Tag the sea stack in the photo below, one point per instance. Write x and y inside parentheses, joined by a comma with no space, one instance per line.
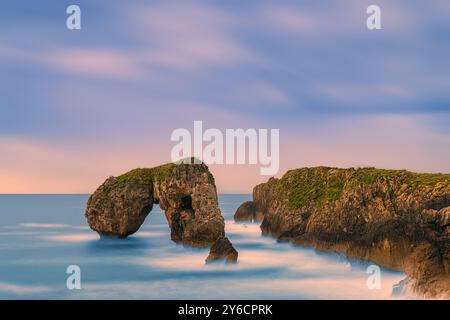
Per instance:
(395,218)
(185,192)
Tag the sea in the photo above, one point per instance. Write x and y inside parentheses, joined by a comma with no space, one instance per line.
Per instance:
(48,251)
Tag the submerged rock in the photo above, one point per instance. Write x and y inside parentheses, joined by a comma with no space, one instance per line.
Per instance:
(222,249)
(395,218)
(185,192)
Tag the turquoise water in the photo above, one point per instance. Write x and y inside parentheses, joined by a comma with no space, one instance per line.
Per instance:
(41,235)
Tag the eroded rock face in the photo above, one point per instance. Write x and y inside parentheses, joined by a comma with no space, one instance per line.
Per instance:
(189,200)
(262,200)
(397,219)
(185,192)
(222,249)
(119,209)
(263,196)
(245,212)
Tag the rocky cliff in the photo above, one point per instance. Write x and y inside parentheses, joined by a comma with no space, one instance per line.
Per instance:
(185,192)
(262,199)
(394,218)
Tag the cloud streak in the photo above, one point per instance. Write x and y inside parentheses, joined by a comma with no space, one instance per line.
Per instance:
(190,36)
(17,289)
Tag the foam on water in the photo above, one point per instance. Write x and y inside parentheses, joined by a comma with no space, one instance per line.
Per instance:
(41,235)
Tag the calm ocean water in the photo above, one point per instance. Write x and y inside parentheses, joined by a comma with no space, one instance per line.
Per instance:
(41,235)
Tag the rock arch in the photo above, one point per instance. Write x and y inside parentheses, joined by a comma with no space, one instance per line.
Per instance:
(185,192)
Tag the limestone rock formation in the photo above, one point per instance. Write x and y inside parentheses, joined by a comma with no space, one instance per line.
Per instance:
(222,249)
(263,196)
(255,210)
(395,218)
(185,192)
(246,212)
(119,206)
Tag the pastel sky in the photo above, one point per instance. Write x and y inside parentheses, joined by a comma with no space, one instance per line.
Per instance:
(79,106)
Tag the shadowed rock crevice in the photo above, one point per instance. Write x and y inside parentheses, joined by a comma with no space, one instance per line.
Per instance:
(186,203)
(395,218)
(185,192)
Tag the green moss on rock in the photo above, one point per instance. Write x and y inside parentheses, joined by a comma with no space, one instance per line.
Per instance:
(146,175)
(321,185)
(137,178)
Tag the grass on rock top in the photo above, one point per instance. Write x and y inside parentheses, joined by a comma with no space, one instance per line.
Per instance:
(141,177)
(146,175)
(322,185)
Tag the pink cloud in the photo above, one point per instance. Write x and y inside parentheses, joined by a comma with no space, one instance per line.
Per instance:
(28,166)
(94,62)
(189,36)
(397,142)
(268,93)
(292,19)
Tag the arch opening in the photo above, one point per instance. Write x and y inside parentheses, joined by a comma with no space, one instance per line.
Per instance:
(186,203)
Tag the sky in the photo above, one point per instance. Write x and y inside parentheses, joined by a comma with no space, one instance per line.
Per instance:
(77,106)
